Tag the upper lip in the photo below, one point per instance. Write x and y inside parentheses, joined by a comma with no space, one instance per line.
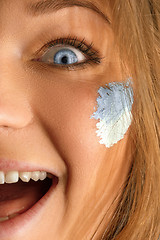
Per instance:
(7,165)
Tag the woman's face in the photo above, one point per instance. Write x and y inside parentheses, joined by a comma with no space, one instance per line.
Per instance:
(46,105)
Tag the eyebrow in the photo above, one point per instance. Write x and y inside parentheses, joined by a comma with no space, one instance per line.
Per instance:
(48,6)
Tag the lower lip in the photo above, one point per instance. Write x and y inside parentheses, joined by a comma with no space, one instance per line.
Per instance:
(10,227)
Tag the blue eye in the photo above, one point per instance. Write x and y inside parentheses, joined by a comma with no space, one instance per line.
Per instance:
(68,53)
(65,56)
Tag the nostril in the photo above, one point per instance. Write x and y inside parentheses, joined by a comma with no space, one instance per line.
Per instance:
(15,111)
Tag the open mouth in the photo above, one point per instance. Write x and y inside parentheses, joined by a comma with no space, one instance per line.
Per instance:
(20,191)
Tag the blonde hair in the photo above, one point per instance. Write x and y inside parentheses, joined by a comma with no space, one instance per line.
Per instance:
(136,24)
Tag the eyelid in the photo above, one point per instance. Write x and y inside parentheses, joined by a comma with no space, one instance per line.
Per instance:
(69,41)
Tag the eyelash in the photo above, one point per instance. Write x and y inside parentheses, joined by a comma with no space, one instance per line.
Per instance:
(92,55)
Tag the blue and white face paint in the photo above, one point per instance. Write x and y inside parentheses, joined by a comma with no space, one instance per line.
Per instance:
(114,106)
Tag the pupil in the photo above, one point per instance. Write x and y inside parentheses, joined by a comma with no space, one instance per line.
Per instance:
(64,60)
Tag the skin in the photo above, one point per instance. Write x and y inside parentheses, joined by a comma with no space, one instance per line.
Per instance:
(51,107)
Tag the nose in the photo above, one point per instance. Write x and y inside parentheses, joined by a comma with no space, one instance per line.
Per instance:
(15,110)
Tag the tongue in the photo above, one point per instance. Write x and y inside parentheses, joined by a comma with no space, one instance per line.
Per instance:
(19,197)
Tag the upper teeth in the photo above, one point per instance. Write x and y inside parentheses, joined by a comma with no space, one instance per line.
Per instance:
(13,176)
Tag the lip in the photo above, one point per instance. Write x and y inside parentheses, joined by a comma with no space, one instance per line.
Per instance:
(11,226)
(7,165)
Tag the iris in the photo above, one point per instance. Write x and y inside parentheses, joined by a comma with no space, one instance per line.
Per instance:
(65,56)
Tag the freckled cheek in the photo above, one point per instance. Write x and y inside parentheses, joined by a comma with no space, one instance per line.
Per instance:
(78,141)
(66,112)
(80,129)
